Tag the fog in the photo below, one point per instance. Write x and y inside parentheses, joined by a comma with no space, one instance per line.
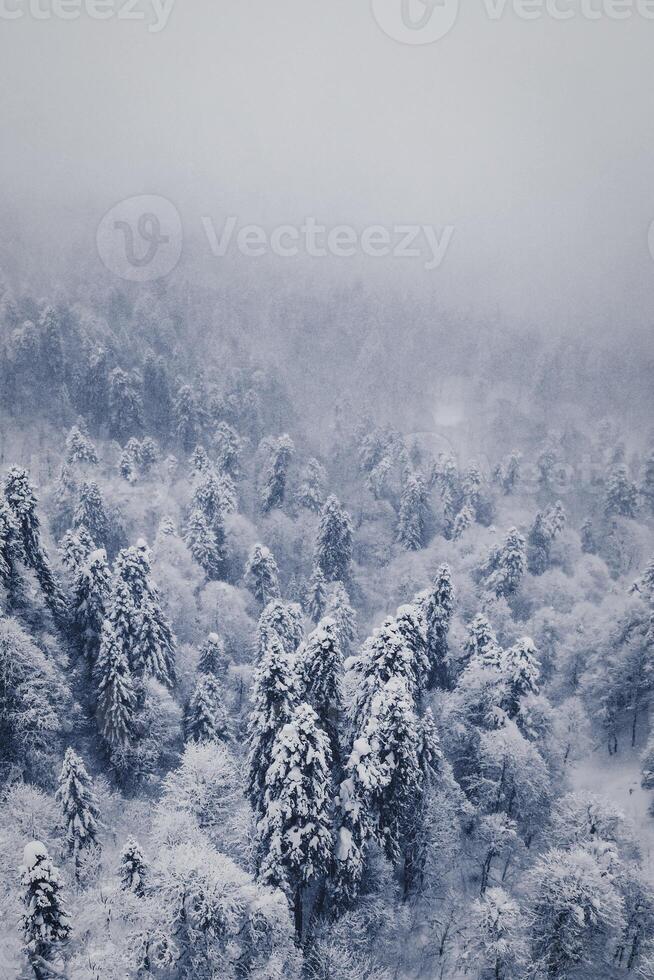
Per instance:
(531,138)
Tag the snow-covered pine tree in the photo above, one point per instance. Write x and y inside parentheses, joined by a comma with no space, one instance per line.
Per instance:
(199,460)
(116,700)
(413,513)
(510,566)
(262,575)
(206,719)
(383,656)
(283,619)
(149,456)
(471,488)
(213,659)
(521,669)
(90,512)
(88,605)
(127,467)
(214,497)
(274,488)
(275,694)
(334,541)
(412,625)
(316,595)
(621,494)
(481,643)
(438,607)
(539,546)
(11,554)
(79,448)
(463,520)
(74,548)
(339,609)
(154,653)
(294,831)
(133,869)
(45,921)
(320,666)
(79,807)
(187,418)
(313,481)
(228,449)
(202,543)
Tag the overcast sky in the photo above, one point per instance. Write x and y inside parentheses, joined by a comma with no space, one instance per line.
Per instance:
(533,139)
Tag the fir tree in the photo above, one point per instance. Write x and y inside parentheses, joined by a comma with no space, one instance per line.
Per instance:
(316,595)
(413,513)
(199,460)
(510,565)
(438,608)
(481,643)
(621,494)
(11,554)
(262,575)
(90,513)
(311,491)
(334,542)
(74,548)
(90,594)
(320,666)
(228,449)
(116,700)
(45,921)
(206,719)
(154,653)
(76,798)
(275,694)
(203,545)
(125,405)
(149,455)
(384,655)
(213,659)
(274,488)
(187,418)
(539,545)
(588,542)
(521,669)
(339,609)
(133,869)
(283,619)
(463,520)
(471,488)
(412,626)
(295,827)
(79,448)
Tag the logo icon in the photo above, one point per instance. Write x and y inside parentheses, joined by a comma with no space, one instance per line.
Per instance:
(416,21)
(140,238)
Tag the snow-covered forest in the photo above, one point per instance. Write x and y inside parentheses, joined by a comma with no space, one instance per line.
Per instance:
(290,690)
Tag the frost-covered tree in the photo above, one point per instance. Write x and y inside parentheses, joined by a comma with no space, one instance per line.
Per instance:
(521,670)
(463,520)
(647,484)
(411,624)
(509,566)
(154,654)
(91,513)
(78,805)
(383,656)
(587,534)
(275,694)
(311,490)
(471,488)
(213,659)
(133,868)
(413,513)
(539,545)
(88,604)
(494,944)
(274,486)
(74,548)
(206,718)
(125,404)
(438,606)
(79,448)
(228,448)
(45,921)
(11,555)
(284,620)
(262,575)
(320,666)
(316,595)
(203,545)
(200,460)
(339,609)
(187,418)
(334,541)
(294,831)
(116,700)
(507,473)
(481,642)
(621,494)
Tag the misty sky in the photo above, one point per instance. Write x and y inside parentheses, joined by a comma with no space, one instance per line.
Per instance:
(535,140)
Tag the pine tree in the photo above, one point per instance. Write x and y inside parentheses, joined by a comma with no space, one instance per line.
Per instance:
(274,488)
(621,494)
(283,619)
(76,798)
(262,575)
(438,608)
(384,655)
(413,513)
(412,626)
(199,460)
(90,513)
(206,719)
(213,659)
(334,541)
(481,643)
(521,668)
(154,654)
(275,694)
(510,566)
(79,448)
(88,606)
(471,488)
(45,921)
(294,831)
(11,554)
(133,869)
(463,520)
(75,548)
(127,467)
(339,609)
(204,547)
(125,404)
(311,491)
(320,666)
(214,497)
(539,546)
(588,543)
(187,418)
(116,700)
(228,449)
(316,595)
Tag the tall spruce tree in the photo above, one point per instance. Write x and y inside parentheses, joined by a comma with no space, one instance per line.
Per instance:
(133,869)
(274,488)
(79,807)
(213,659)
(206,719)
(438,606)
(45,921)
(88,605)
(116,699)
(413,513)
(316,595)
(334,541)
(262,575)
(320,667)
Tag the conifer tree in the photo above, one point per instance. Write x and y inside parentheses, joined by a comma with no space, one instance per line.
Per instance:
(79,448)
(320,666)
(471,488)
(262,575)
(125,404)
(45,921)
(334,541)
(206,719)
(275,694)
(116,700)
(202,544)
(383,656)
(311,491)
(438,606)
(316,595)
(481,643)
(413,513)
(199,460)
(228,448)
(588,542)
(213,659)
(88,606)
(621,494)
(463,520)
(521,669)
(11,554)
(339,609)
(539,545)
(510,565)
(133,869)
(295,827)
(274,488)
(284,619)
(90,513)
(187,418)
(74,548)
(154,654)
(412,626)
(77,800)
(149,455)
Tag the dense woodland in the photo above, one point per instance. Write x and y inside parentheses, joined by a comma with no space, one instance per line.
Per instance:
(309,632)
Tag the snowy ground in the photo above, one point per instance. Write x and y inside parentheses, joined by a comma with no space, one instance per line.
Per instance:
(617,778)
